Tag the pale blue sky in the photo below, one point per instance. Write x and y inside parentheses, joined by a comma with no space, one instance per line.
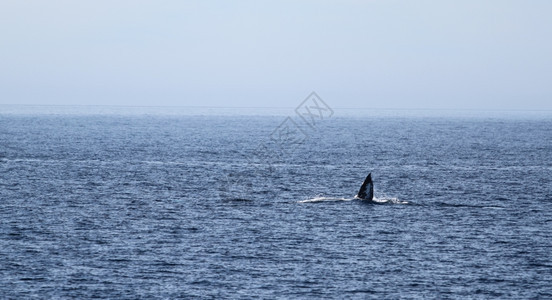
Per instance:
(381,54)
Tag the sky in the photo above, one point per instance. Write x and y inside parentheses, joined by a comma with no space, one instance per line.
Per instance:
(386,54)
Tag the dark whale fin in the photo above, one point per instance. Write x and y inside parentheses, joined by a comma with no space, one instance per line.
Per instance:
(366,191)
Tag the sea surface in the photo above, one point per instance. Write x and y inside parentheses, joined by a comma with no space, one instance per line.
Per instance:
(142,205)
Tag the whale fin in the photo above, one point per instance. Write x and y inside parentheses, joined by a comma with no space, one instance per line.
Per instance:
(366,191)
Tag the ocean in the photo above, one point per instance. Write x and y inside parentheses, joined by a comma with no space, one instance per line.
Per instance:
(208,205)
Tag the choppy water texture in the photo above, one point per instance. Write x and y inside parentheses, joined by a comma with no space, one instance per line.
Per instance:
(212,207)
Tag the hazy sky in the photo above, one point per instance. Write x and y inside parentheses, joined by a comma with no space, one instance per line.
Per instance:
(381,54)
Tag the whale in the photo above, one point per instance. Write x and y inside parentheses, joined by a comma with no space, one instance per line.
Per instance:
(366,191)
(365,194)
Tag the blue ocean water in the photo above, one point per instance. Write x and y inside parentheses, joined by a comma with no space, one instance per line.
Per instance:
(163,206)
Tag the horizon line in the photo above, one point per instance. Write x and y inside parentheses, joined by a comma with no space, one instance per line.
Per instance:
(269,107)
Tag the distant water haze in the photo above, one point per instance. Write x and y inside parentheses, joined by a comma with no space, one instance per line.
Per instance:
(339,112)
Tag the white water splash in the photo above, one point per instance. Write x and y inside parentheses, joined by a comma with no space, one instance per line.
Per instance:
(325,199)
(383,200)
(389,200)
